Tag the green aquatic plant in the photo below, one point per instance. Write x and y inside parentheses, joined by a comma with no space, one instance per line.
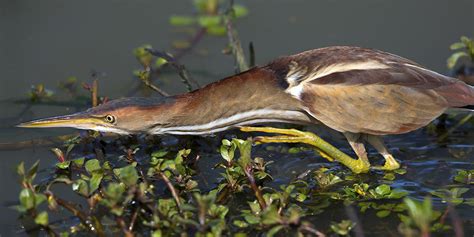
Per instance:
(40,92)
(464,49)
(343,228)
(464,176)
(421,218)
(208,17)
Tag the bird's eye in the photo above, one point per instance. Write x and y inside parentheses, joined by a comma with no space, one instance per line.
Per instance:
(109,118)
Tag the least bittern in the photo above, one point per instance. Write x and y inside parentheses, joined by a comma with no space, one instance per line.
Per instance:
(362,93)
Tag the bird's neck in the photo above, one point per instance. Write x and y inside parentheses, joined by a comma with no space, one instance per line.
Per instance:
(255,96)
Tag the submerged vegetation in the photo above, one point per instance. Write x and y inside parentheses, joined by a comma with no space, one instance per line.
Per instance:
(160,192)
(137,186)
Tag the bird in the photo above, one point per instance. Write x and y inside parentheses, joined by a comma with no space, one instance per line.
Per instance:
(362,93)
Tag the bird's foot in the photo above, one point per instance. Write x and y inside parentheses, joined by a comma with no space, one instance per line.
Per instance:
(390,164)
(325,149)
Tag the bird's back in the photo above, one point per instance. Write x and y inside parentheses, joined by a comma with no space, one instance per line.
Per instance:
(364,90)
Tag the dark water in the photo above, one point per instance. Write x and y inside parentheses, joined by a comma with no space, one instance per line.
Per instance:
(48,41)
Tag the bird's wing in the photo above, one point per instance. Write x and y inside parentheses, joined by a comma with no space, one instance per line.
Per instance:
(345,65)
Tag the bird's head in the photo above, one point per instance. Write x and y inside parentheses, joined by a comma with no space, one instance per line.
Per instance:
(122,116)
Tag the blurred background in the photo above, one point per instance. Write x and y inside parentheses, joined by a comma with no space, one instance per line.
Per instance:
(45,42)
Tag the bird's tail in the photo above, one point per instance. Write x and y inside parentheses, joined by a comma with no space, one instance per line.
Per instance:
(458,95)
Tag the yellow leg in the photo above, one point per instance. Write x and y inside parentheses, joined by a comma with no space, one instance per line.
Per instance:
(378,144)
(390,164)
(326,150)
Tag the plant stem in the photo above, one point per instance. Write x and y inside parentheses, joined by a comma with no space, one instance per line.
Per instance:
(82,216)
(122,225)
(258,193)
(234,41)
(182,71)
(172,189)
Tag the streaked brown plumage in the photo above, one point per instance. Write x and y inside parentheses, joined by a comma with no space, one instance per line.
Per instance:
(362,93)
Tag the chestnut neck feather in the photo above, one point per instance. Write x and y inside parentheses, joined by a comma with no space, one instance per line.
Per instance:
(250,97)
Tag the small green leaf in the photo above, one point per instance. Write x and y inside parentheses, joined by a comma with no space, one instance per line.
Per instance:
(465,40)
(389,176)
(397,193)
(42,218)
(20,169)
(383,213)
(93,166)
(465,176)
(209,21)
(271,216)
(216,30)
(156,233)
(95,182)
(240,224)
(226,142)
(274,230)
(453,59)
(159,153)
(39,198)
(251,219)
(177,20)
(160,62)
(128,175)
(81,187)
(63,165)
(240,11)
(343,227)
(32,171)
(457,45)
(300,197)
(114,191)
(181,155)
(79,162)
(400,171)
(27,199)
(245,148)
(382,190)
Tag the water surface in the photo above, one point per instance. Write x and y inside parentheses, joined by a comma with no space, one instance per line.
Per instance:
(48,41)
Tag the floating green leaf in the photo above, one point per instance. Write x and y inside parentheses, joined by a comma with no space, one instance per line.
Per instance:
(465,176)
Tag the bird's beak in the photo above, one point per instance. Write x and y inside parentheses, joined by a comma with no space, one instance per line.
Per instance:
(78,120)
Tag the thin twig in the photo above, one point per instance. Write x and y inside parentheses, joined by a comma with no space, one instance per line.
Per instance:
(172,189)
(79,214)
(121,222)
(94,91)
(134,219)
(193,42)
(258,193)
(182,71)
(234,41)
(311,230)
(155,88)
